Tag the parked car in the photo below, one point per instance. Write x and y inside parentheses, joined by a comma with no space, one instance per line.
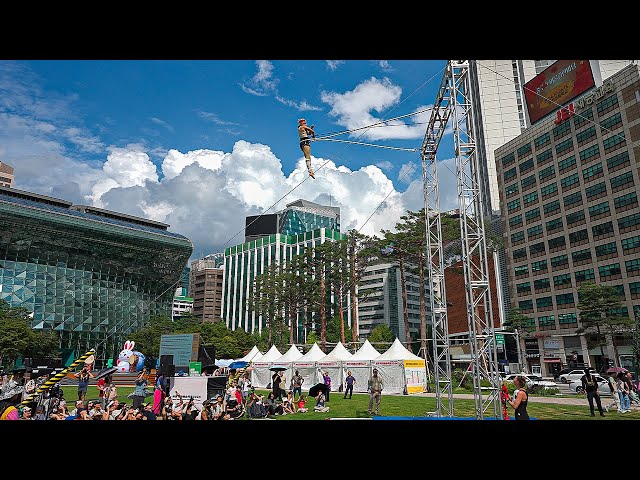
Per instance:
(575,374)
(531,380)
(603,385)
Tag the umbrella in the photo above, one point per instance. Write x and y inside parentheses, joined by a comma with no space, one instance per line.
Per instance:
(616,370)
(106,371)
(278,368)
(237,364)
(313,391)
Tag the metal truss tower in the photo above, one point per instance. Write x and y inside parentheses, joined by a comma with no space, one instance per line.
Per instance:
(454,101)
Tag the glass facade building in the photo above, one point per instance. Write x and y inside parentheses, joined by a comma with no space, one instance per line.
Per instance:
(90,274)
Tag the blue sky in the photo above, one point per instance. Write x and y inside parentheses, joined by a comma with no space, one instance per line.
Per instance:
(201,144)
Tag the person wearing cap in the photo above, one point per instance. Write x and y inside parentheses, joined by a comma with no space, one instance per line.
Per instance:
(306,133)
(375,391)
(590,386)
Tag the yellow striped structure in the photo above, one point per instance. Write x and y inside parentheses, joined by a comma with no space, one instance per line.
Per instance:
(58,376)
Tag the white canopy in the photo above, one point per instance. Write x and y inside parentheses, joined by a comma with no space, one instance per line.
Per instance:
(271,355)
(312,355)
(291,355)
(366,352)
(338,353)
(252,356)
(397,352)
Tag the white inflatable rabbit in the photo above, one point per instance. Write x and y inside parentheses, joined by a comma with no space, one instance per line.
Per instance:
(123,364)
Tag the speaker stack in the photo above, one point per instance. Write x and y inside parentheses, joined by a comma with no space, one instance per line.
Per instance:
(166,367)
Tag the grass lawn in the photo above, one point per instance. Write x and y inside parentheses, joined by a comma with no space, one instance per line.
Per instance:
(398,405)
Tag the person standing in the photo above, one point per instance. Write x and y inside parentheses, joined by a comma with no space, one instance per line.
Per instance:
(374,386)
(590,385)
(327,383)
(623,395)
(276,380)
(633,396)
(140,393)
(83,377)
(520,399)
(611,379)
(296,384)
(349,381)
(103,387)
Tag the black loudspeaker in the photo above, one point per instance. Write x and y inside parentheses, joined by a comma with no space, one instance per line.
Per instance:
(207,355)
(170,370)
(166,361)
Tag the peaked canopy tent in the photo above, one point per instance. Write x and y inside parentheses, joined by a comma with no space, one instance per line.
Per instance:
(360,366)
(333,364)
(307,366)
(253,356)
(401,370)
(261,375)
(287,360)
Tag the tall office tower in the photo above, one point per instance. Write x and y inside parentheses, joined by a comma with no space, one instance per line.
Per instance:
(205,287)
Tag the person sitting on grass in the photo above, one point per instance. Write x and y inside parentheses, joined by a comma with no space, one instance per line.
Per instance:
(273,408)
(320,406)
(287,405)
(301,404)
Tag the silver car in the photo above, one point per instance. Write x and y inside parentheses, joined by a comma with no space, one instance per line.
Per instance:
(603,385)
(531,380)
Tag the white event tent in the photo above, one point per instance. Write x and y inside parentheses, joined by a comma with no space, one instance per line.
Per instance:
(332,364)
(261,375)
(360,366)
(287,360)
(401,370)
(306,366)
(253,356)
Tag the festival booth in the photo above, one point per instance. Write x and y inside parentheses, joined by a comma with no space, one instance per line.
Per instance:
(333,363)
(253,356)
(306,366)
(286,361)
(401,370)
(360,366)
(261,375)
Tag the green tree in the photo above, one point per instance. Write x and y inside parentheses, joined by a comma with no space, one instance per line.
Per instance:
(381,337)
(312,337)
(334,330)
(15,333)
(516,320)
(598,306)
(148,337)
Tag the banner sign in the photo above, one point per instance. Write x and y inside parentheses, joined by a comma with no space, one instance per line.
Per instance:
(188,387)
(415,375)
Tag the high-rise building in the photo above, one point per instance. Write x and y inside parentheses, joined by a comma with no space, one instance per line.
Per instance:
(298,217)
(568,189)
(91,274)
(184,280)
(205,285)
(6,175)
(182,303)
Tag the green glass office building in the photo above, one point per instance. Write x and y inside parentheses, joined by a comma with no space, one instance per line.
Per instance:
(90,274)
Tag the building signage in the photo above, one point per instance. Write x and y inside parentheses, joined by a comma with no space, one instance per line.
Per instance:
(556,85)
(551,343)
(595,95)
(499,339)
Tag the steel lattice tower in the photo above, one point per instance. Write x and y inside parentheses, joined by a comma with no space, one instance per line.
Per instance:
(454,100)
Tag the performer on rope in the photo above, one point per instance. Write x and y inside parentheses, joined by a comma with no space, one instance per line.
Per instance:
(304,132)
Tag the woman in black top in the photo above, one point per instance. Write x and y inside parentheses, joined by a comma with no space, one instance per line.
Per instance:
(520,400)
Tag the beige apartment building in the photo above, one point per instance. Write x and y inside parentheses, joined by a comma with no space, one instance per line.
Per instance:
(6,175)
(205,287)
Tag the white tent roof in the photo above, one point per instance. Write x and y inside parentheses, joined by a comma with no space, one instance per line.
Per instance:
(291,355)
(252,356)
(338,353)
(397,352)
(312,355)
(366,352)
(271,355)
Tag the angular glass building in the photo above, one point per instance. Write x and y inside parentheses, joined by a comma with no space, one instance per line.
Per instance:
(90,274)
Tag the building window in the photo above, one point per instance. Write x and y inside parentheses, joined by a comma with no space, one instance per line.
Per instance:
(579,236)
(630,221)
(634,288)
(606,249)
(564,299)
(552,207)
(561,130)
(599,209)
(564,147)
(515,221)
(619,312)
(544,302)
(618,161)
(537,248)
(568,319)
(511,190)
(559,261)
(560,280)
(540,266)
(584,275)
(509,174)
(508,159)
(621,181)
(607,271)
(626,200)
(517,237)
(542,140)
(607,104)
(592,172)
(547,322)
(602,229)
(544,157)
(586,135)
(534,232)
(581,118)
(525,305)
(558,242)
(513,206)
(541,284)
(548,172)
(568,181)
(567,163)
(523,287)
(524,150)
(572,199)
(581,255)
(553,225)
(549,190)
(589,154)
(632,265)
(529,198)
(614,142)
(596,190)
(575,218)
(525,167)
(630,243)
(523,270)
(520,252)
(612,122)
(532,214)
(528,181)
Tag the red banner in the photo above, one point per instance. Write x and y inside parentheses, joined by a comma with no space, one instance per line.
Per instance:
(556,85)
